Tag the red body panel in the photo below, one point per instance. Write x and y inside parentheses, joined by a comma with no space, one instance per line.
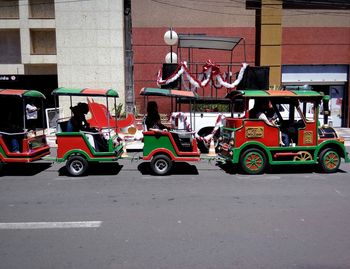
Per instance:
(269,136)
(26,156)
(308,135)
(182,155)
(69,143)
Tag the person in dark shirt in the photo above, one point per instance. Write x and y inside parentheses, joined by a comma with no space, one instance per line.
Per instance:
(78,121)
(152,120)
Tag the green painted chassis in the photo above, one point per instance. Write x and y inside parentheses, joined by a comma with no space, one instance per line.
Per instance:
(234,156)
(65,149)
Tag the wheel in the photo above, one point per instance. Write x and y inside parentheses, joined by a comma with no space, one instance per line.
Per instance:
(76,166)
(161,164)
(253,161)
(303,156)
(329,160)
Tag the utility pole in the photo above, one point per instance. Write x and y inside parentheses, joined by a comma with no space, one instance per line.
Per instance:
(269,38)
(129,70)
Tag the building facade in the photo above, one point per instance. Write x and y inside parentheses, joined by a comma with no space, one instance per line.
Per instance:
(303,42)
(45,44)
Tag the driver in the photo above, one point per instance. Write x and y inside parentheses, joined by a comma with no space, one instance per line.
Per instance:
(262,108)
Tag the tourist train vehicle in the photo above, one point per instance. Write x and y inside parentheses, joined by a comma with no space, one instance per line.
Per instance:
(162,148)
(18,144)
(239,138)
(254,143)
(98,142)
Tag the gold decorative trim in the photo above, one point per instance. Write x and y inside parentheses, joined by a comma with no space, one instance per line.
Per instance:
(308,137)
(254,132)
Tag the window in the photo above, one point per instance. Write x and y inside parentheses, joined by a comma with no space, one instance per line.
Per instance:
(41,9)
(9,9)
(43,41)
(10,46)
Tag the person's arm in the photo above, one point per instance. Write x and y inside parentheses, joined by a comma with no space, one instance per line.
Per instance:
(263,117)
(31,108)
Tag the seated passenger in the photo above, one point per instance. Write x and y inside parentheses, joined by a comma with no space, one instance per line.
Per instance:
(152,121)
(261,109)
(78,121)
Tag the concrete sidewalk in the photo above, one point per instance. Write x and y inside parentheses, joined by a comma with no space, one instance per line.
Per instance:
(345,133)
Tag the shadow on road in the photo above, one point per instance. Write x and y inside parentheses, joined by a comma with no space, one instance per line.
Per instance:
(107,169)
(23,169)
(277,169)
(179,168)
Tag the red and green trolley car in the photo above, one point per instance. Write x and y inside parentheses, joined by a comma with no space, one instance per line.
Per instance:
(31,145)
(165,147)
(79,148)
(254,144)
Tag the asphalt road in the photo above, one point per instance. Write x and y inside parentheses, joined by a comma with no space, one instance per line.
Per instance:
(201,217)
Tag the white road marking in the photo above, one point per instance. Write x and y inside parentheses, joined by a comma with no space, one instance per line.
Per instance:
(339,193)
(49,225)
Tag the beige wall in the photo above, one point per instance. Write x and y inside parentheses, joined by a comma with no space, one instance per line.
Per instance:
(184,13)
(316,18)
(90,44)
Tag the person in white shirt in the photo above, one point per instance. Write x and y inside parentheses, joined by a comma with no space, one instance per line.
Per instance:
(260,111)
(31,115)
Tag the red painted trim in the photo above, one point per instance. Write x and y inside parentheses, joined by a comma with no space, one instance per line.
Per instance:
(73,143)
(310,127)
(285,154)
(171,155)
(24,156)
(69,143)
(13,92)
(94,91)
(178,152)
(280,93)
(25,160)
(270,137)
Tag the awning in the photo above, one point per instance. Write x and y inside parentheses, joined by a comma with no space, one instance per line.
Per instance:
(167,92)
(22,93)
(208,42)
(85,92)
(314,74)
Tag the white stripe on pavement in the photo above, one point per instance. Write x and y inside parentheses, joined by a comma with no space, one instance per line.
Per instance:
(50,225)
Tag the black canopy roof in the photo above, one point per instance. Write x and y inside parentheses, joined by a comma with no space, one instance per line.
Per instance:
(208,42)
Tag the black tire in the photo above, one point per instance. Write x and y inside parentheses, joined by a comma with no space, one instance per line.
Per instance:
(329,160)
(161,164)
(77,166)
(253,161)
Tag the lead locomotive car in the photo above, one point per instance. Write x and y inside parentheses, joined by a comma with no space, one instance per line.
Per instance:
(254,143)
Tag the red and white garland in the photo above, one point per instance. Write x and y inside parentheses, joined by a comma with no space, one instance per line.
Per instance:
(179,118)
(211,73)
